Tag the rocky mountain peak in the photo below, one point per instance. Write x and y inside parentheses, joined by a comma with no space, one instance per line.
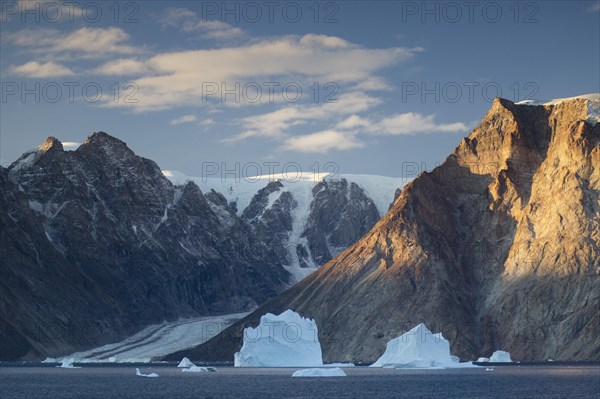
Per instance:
(104,145)
(51,144)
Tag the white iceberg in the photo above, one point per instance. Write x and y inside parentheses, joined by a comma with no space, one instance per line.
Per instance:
(339,365)
(67,363)
(483,360)
(198,369)
(286,340)
(139,374)
(49,360)
(500,357)
(329,372)
(419,348)
(185,363)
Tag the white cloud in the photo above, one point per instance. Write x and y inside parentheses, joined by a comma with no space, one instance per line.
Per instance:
(122,67)
(323,142)
(345,134)
(324,41)
(179,78)
(412,123)
(373,83)
(207,122)
(34,69)
(275,124)
(70,144)
(184,119)
(352,122)
(188,21)
(83,42)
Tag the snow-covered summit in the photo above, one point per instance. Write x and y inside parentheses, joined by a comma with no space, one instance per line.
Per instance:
(380,189)
(593,115)
(308,218)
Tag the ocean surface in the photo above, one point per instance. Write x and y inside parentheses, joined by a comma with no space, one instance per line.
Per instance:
(506,382)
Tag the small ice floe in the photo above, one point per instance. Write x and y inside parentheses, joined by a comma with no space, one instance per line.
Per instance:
(185,363)
(339,365)
(328,372)
(198,369)
(67,363)
(500,357)
(139,374)
(489,369)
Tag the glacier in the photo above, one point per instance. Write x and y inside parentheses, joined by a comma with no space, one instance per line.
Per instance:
(380,189)
(159,340)
(419,348)
(285,340)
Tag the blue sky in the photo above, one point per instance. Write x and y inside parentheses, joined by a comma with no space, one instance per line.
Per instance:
(384,85)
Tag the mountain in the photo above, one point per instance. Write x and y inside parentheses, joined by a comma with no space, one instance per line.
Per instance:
(97,244)
(307,219)
(497,248)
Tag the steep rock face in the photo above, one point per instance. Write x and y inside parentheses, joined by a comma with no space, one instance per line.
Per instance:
(99,238)
(498,248)
(340,214)
(307,228)
(270,217)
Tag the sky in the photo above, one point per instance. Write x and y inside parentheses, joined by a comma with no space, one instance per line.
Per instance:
(247,88)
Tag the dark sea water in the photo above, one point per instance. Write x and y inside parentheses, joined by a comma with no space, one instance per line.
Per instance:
(506,382)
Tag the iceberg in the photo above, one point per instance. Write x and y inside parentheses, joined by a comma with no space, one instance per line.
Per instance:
(329,372)
(483,360)
(419,348)
(339,365)
(139,374)
(500,357)
(185,363)
(285,340)
(67,363)
(198,369)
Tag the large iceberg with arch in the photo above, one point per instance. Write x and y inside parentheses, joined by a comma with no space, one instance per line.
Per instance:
(285,340)
(419,348)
